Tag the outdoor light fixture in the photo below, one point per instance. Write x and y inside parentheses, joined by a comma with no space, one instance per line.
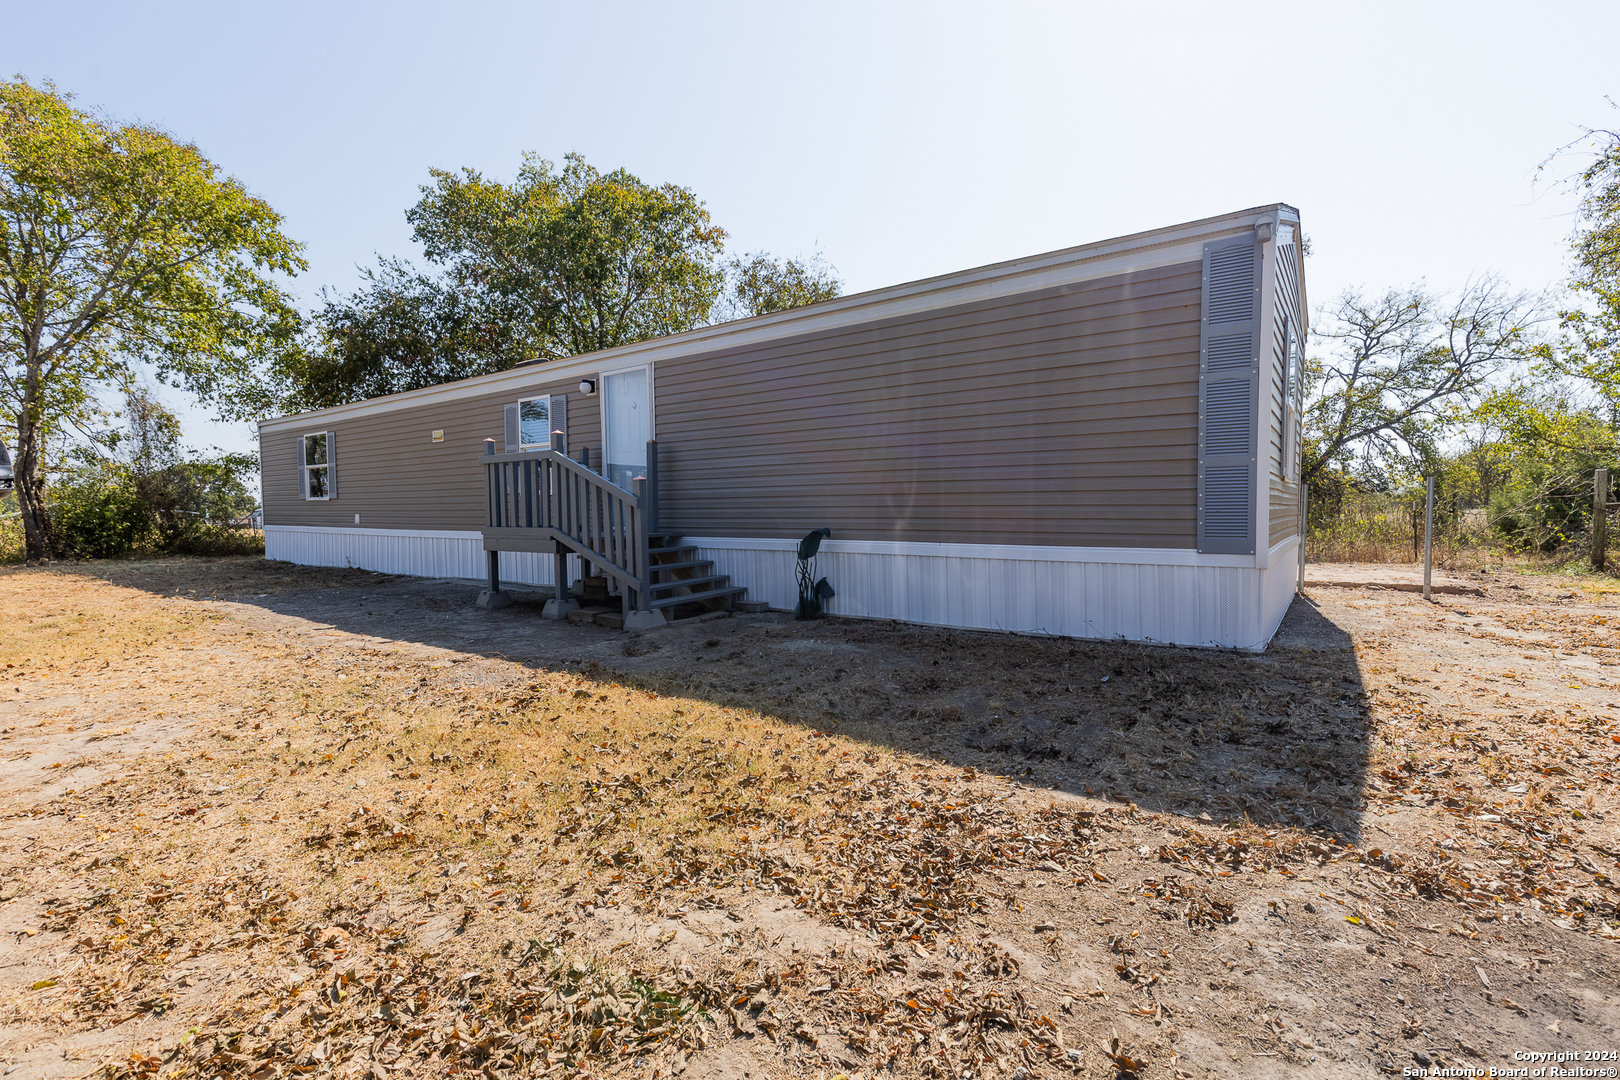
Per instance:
(587,387)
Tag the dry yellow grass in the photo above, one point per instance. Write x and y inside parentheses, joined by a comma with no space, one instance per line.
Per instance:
(322,788)
(252,842)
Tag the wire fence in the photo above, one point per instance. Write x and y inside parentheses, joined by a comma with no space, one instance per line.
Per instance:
(1388,528)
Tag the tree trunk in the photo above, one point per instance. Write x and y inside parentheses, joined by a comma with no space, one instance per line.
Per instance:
(30,476)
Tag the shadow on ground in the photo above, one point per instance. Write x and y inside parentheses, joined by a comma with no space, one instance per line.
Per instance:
(1274,738)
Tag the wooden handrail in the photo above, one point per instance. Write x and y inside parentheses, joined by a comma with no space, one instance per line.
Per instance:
(579,508)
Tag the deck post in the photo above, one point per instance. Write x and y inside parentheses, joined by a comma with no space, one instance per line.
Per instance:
(650,505)
(584,458)
(638,612)
(493,597)
(560,597)
(489,483)
(639,539)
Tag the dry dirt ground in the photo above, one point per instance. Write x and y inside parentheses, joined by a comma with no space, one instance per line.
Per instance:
(261,821)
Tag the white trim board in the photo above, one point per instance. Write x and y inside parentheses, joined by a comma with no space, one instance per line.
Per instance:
(350,530)
(1126,556)
(1026,553)
(1141,251)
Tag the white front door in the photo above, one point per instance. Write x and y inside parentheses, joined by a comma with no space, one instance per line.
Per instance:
(627,425)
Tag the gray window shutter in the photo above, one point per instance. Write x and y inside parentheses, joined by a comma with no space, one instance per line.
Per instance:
(514,437)
(1228,396)
(559,417)
(303,470)
(331,464)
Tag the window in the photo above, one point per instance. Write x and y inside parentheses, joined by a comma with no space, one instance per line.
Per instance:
(534,423)
(530,423)
(1291,392)
(315,459)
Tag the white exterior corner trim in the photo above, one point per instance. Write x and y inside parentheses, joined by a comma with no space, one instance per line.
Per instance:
(1169,596)
(1281,548)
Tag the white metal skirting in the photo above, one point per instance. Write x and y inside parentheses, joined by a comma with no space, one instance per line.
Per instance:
(1185,599)
(399,551)
(1212,606)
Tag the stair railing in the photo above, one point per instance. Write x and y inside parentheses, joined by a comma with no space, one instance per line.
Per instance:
(579,508)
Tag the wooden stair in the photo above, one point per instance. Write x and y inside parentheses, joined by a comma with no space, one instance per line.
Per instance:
(546,502)
(668,556)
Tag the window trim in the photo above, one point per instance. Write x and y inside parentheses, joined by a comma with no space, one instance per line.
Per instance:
(535,446)
(1293,378)
(309,467)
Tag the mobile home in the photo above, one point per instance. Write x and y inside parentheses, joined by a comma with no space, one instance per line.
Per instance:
(1097,442)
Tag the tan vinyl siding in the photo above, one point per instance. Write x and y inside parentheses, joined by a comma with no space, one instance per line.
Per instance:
(1284,511)
(1063,417)
(392,473)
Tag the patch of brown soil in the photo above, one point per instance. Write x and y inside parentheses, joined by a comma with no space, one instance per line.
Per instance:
(349,825)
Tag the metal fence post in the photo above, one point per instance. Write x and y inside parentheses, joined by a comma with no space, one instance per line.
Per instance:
(1428,535)
(1600,518)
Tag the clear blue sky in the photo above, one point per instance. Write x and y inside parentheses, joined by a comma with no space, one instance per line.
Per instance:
(902,140)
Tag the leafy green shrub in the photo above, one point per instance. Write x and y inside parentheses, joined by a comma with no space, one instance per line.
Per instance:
(12,547)
(110,510)
(98,513)
(210,539)
(1543,518)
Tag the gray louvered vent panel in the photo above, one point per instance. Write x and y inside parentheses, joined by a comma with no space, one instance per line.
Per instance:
(1229,353)
(1226,417)
(1229,398)
(1226,503)
(1231,285)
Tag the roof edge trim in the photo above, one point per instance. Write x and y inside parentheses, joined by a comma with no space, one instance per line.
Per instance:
(1143,250)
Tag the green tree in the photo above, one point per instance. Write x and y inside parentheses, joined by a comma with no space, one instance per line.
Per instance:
(758,284)
(121,247)
(404,330)
(1568,410)
(587,260)
(553,264)
(136,489)
(1593,347)
(1405,369)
